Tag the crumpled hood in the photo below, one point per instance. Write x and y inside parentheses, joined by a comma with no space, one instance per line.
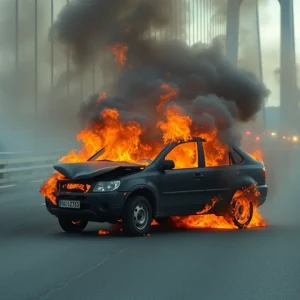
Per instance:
(91,169)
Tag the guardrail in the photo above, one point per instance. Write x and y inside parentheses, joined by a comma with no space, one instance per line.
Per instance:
(23,166)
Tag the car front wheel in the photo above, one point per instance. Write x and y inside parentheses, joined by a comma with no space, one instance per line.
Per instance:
(72,226)
(137,216)
(241,211)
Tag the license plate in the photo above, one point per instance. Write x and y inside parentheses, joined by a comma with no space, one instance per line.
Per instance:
(69,204)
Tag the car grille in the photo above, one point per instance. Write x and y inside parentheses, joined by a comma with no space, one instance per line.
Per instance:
(68,186)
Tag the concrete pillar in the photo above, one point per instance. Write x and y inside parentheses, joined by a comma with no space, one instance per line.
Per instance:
(288,75)
(250,57)
(232,42)
(232,30)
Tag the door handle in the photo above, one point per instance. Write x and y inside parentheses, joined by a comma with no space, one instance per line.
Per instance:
(198,175)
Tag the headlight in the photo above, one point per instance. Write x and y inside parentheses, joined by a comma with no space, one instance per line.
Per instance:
(107,186)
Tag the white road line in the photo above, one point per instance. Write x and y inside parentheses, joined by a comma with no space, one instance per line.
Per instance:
(7,186)
(38,180)
(12,185)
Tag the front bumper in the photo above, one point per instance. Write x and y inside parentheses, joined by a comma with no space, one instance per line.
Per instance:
(97,207)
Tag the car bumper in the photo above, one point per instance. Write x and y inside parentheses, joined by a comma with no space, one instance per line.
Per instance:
(106,207)
(263,190)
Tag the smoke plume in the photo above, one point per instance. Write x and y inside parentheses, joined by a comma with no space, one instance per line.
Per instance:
(210,90)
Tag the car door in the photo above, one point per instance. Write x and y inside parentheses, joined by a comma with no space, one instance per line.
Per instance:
(180,188)
(219,174)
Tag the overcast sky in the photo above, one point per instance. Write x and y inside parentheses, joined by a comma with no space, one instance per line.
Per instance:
(270,42)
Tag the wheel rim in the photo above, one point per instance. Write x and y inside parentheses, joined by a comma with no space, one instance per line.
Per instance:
(242,210)
(140,216)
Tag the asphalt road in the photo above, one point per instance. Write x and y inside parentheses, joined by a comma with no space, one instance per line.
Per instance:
(38,261)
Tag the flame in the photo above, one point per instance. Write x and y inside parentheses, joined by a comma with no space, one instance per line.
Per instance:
(103,232)
(176,127)
(208,207)
(154,223)
(258,155)
(101,96)
(211,221)
(167,94)
(120,53)
(122,142)
(75,186)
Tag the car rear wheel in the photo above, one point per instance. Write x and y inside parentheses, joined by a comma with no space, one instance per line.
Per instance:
(241,211)
(72,226)
(137,216)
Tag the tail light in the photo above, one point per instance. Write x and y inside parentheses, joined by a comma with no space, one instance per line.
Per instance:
(264,173)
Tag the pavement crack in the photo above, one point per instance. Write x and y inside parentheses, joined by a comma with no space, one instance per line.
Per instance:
(78,276)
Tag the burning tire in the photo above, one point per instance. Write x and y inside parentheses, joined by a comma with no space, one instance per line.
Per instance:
(241,211)
(72,226)
(137,216)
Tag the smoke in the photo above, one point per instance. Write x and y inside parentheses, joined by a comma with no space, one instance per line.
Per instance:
(210,90)
(89,25)
(221,6)
(26,114)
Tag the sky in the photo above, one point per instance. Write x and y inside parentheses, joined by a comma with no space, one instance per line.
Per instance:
(270,44)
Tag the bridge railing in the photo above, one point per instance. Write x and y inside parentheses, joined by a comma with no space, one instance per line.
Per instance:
(18,167)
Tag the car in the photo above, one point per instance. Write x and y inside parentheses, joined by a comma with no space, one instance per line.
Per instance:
(179,181)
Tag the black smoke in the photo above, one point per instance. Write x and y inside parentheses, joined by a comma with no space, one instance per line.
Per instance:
(210,90)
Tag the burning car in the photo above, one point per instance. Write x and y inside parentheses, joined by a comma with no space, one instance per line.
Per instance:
(179,181)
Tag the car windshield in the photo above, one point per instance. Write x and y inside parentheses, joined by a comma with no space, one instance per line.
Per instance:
(102,155)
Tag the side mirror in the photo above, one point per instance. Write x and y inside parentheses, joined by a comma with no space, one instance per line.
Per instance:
(167,164)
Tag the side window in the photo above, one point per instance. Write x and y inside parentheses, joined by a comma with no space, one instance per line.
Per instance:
(214,156)
(237,157)
(185,155)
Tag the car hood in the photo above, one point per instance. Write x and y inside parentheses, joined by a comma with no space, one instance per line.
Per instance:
(89,169)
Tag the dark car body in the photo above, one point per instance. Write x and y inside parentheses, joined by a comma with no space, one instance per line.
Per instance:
(170,192)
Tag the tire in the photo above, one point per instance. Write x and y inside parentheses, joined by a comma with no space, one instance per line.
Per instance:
(164,221)
(70,226)
(137,216)
(240,212)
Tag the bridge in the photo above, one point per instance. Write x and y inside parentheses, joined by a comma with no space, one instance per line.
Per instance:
(40,94)
(289,92)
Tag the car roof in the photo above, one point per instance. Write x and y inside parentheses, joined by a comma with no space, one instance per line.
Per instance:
(192,139)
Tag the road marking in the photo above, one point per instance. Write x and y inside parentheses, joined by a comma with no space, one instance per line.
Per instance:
(7,186)
(38,180)
(65,284)
(121,251)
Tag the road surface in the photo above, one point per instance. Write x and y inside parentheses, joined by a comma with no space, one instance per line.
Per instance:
(38,261)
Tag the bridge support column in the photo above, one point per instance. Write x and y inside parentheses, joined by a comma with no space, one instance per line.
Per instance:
(288,73)
(232,30)
(232,42)
(251,54)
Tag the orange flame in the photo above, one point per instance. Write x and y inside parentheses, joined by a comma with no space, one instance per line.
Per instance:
(219,222)
(120,53)
(258,155)
(101,96)
(121,139)
(73,186)
(103,232)
(208,207)
(168,93)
